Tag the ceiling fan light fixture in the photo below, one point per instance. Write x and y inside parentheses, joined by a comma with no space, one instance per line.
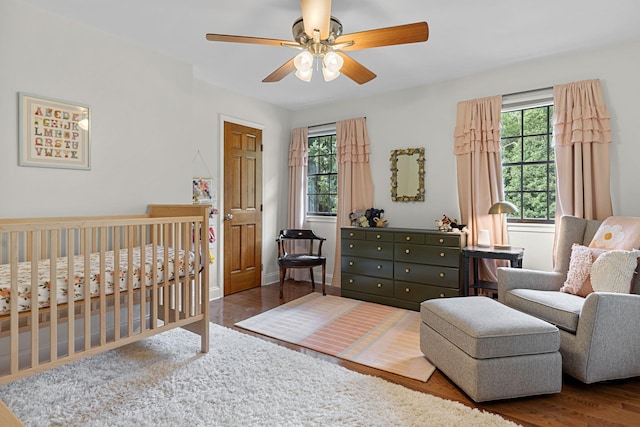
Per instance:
(305,75)
(329,75)
(303,61)
(333,62)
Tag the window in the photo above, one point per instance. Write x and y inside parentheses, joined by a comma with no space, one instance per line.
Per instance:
(528,167)
(322,174)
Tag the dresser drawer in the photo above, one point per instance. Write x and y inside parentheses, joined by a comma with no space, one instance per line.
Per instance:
(428,274)
(409,237)
(368,285)
(449,257)
(443,240)
(417,293)
(368,267)
(365,248)
(379,236)
(353,233)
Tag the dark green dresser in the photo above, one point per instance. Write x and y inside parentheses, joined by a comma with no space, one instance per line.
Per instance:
(400,266)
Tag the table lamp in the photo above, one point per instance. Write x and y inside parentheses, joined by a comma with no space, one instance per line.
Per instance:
(503,208)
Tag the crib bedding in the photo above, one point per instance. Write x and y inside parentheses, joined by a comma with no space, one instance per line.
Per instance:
(24,276)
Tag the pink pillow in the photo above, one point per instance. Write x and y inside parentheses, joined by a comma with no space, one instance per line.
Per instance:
(578,280)
(617,232)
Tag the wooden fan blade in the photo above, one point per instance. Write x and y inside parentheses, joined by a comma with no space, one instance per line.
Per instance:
(401,34)
(316,15)
(281,72)
(355,71)
(243,39)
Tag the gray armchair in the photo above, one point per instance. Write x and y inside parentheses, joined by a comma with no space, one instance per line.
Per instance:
(599,336)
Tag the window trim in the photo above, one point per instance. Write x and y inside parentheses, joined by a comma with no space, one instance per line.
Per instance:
(314,132)
(524,101)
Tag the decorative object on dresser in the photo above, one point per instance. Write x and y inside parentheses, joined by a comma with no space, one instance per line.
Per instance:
(399,266)
(503,209)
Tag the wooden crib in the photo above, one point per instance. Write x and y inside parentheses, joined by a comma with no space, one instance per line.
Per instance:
(144,274)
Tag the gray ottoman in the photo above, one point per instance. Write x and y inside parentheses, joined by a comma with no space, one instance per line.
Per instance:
(489,350)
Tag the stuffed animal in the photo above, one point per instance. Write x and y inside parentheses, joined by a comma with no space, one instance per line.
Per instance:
(363,221)
(372,214)
(380,222)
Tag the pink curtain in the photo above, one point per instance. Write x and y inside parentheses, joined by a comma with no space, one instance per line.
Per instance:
(355,186)
(479,171)
(581,136)
(296,218)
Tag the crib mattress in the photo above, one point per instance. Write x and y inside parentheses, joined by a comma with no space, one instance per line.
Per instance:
(44,281)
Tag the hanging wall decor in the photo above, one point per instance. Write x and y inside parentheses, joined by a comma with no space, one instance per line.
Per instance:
(53,133)
(202,190)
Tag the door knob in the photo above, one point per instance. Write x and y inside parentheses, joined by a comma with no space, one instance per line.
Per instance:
(228,217)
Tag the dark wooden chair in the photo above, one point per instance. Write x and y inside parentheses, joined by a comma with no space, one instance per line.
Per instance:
(307,259)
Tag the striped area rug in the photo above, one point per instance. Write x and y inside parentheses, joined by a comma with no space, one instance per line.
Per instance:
(375,335)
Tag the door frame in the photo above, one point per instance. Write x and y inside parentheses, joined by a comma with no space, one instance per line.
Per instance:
(218,292)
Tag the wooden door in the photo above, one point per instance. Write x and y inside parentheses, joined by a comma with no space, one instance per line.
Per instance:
(242,208)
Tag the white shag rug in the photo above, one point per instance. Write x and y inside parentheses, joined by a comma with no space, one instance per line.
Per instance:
(242,381)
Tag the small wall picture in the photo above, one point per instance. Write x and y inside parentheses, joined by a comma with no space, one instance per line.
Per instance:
(203,190)
(53,133)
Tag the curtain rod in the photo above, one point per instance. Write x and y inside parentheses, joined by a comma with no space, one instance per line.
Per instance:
(528,91)
(324,124)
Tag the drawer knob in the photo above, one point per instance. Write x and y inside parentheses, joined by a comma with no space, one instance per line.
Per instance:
(350,263)
(378,236)
(406,251)
(379,285)
(407,270)
(441,274)
(351,246)
(350,234)
(379,267)
(407,290)
(441,295)
(441,240)
(442,254)
(350,280)
(379,248)
(408,238)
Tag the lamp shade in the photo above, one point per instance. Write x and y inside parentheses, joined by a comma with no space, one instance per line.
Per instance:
(503,207)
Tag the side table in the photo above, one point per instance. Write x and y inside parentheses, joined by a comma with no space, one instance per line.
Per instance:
(513,255)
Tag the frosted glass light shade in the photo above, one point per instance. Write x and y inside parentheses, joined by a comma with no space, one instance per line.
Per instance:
(303,61)
(329,75)
(305,76)
(333,62)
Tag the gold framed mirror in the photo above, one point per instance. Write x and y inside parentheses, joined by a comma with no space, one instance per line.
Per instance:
(407,175)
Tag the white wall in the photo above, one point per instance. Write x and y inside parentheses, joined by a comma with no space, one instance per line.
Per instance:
(425,117)
(150,117)
(213,106)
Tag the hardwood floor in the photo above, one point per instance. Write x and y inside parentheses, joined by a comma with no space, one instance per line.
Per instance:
(578,404)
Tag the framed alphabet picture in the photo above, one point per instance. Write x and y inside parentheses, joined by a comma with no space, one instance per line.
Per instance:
(53,133)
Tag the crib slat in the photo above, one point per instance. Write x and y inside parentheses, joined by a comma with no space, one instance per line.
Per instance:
(130,245)
(71,286)
(143,279)
(53,296)
(86,238)
(116,282)
(103,286)
(35,336)
(154,277)
(13,260)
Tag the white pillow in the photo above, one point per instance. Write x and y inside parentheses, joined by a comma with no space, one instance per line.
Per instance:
(614,271)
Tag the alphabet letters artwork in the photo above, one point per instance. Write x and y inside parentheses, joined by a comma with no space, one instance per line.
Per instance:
(53,133)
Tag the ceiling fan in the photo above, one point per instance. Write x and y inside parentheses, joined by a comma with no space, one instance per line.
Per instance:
(317,34)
